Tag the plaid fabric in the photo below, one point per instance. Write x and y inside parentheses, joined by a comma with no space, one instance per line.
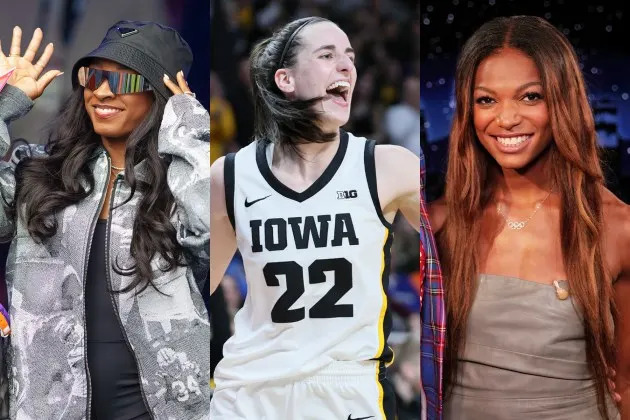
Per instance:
(433,318)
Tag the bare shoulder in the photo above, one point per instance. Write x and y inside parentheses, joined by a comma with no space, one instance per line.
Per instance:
(218,208)
(617,226)
(395,158)
(437,214)
(616,214)
(216,172)
(398,174)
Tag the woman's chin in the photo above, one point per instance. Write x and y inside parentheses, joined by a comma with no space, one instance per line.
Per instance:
(331,123)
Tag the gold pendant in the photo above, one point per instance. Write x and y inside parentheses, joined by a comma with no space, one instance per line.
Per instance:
(561,293)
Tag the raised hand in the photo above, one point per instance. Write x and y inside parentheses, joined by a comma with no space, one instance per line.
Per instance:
(26,76)
(180,87)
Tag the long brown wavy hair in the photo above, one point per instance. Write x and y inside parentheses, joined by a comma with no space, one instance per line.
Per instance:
(575,173)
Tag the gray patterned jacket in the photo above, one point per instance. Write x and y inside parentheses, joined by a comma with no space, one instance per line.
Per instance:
(169,333)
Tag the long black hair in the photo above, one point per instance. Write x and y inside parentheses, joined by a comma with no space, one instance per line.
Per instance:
(48,184)
(276,118)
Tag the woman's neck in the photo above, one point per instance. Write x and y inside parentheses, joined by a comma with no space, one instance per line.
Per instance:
(523,187)
(307,158)
(116,150)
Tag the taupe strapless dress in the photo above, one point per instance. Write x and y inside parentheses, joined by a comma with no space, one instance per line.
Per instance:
(525,357)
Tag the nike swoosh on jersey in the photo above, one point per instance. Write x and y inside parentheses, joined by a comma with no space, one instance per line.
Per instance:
(250,203)
(359,418)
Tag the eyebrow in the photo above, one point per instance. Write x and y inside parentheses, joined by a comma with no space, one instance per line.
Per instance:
(520,88)
(332,48)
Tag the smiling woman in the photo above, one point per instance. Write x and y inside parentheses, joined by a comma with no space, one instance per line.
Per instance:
(291,98)
(310,208)
(104,102)
(509,109)
(531,241)
(110,230)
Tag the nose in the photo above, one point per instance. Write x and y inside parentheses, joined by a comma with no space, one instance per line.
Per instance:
(103,91)
(344,64)
(508,115)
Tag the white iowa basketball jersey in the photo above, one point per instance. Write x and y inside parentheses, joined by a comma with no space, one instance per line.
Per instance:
(317,267)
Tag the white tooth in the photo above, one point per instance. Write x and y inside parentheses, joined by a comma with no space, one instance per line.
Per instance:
(512,141)
(104,111)
(337,84)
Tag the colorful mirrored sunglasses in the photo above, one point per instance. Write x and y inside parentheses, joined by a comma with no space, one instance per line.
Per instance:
(119,82)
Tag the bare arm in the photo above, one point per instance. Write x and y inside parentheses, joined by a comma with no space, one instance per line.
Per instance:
(622,344)
(437,214)
(24,86)
(222,235)
(620,242)
(398,181)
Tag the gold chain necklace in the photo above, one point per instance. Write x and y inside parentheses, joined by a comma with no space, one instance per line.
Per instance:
(520,224)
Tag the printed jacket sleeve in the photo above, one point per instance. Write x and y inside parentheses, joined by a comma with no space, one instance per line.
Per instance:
(13,104)
(185,138)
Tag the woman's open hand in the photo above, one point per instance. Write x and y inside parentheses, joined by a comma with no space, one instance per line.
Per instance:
(26,76)
(180,87)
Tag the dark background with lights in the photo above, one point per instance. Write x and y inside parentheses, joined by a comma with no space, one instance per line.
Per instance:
(599,31)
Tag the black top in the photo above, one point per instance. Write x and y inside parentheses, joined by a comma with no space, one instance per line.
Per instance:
(116,393)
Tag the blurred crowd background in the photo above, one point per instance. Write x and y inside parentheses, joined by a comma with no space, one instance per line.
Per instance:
(385,107)
(598,30)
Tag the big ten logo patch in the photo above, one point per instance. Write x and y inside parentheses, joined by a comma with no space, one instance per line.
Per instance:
(344,195)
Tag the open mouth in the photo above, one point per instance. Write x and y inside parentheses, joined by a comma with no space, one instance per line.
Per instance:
(339,91)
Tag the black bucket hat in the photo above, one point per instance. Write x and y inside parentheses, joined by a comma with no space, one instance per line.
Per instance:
(149,48)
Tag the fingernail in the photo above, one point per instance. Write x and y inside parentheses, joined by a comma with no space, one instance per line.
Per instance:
(166,77)
(59,74)
(181,72)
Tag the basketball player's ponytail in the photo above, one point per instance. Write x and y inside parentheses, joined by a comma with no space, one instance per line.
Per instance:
(276,118)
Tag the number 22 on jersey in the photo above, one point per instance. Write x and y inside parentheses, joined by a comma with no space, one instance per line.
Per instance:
(327,306)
